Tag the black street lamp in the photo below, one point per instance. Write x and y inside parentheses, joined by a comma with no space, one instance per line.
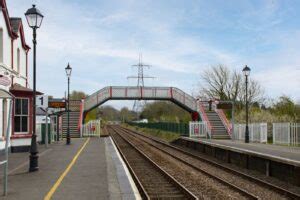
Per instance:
(68,73)
(246,72)
(34,19)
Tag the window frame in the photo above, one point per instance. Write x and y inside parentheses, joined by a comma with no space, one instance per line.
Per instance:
(22,115)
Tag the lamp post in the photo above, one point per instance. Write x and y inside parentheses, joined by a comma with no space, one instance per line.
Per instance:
(34,19)
(246,72)
(68,73)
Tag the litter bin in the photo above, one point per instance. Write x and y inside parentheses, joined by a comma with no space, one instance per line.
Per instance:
(43,134)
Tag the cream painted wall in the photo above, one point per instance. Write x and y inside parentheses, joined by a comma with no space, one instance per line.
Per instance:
(6,42)
(19,78)
(18,45)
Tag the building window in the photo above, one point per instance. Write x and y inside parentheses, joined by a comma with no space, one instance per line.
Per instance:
(18,60)
(1,45)
(21,115)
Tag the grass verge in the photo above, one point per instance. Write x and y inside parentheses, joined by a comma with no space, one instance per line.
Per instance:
(163,135)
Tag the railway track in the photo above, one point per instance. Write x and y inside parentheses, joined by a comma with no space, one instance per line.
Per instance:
(152,181)
(203,185)
(252,185)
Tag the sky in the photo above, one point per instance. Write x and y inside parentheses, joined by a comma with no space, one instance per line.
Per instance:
(102,39)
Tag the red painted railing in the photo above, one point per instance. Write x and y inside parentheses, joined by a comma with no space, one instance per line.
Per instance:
(224,120)
(204,117)
(80,121)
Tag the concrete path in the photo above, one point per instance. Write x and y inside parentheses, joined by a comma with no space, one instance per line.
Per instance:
(78,171)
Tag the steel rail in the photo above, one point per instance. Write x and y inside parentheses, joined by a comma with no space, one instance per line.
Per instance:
(271,186)
(162,171)
(139,185)
(222,181)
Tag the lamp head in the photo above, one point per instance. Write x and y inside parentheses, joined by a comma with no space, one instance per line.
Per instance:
(68,71)
(246,71)
(34,17)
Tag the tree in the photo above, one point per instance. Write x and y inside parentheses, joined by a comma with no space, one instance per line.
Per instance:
(286,106)
(222,83)
(91,115)
(127,115)
(108,113)
(77,95)
(165,111)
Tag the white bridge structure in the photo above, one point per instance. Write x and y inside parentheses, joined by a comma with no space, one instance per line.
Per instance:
(214,123)
(173,94)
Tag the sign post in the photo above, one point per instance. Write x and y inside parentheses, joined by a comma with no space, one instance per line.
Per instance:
(42,102)
(46,136)
(57,104)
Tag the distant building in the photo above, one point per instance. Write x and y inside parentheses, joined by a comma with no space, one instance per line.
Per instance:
(14,78)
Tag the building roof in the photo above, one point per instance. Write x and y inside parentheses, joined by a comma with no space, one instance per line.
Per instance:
(20,88)
(15,24)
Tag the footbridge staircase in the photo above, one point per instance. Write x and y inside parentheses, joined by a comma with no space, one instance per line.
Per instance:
(216,121)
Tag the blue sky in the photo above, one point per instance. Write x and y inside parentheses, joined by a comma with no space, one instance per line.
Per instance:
(180,39)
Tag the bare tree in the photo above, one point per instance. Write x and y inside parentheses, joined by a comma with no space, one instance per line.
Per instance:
(222,83)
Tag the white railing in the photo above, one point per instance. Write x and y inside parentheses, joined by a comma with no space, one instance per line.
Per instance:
(198,129)
(92,128)
(286,133)
(258,132)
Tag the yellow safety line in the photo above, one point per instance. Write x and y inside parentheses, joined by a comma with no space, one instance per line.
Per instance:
(60,179)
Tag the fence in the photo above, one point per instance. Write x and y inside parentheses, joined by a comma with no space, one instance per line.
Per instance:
(258,132)
(198,129)
(181,128)
(92,128)
(286,133)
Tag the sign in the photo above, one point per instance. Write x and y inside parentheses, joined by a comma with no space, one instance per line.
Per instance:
(225,106)
(196,129)
(42,101)
(56,104)
(4,80)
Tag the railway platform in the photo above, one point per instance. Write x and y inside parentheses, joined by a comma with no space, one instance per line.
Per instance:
(281,162)
(90,168)
(276,152)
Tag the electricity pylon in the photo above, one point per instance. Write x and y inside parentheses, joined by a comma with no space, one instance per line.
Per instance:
(139,104)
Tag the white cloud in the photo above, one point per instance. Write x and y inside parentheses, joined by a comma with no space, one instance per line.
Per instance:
(281,81)
(113,36)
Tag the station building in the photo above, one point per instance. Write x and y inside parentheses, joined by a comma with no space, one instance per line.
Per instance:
(14,79)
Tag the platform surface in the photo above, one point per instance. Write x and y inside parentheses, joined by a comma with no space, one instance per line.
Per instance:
(277,152)
(97,173)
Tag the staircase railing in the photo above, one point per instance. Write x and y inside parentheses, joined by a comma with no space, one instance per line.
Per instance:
(223,118)
(80,121)
(205,119)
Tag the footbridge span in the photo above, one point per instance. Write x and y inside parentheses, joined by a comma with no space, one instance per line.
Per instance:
(172,94)
(217,124)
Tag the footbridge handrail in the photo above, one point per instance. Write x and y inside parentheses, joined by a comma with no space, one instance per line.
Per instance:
(143,93)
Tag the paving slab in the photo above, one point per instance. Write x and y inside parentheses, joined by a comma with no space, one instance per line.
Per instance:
(98,173)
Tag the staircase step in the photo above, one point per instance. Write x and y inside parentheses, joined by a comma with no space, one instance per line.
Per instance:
(218,129)
(73,124)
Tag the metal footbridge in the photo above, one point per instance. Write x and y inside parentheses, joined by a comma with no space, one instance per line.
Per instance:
(215,120)
(173,94)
